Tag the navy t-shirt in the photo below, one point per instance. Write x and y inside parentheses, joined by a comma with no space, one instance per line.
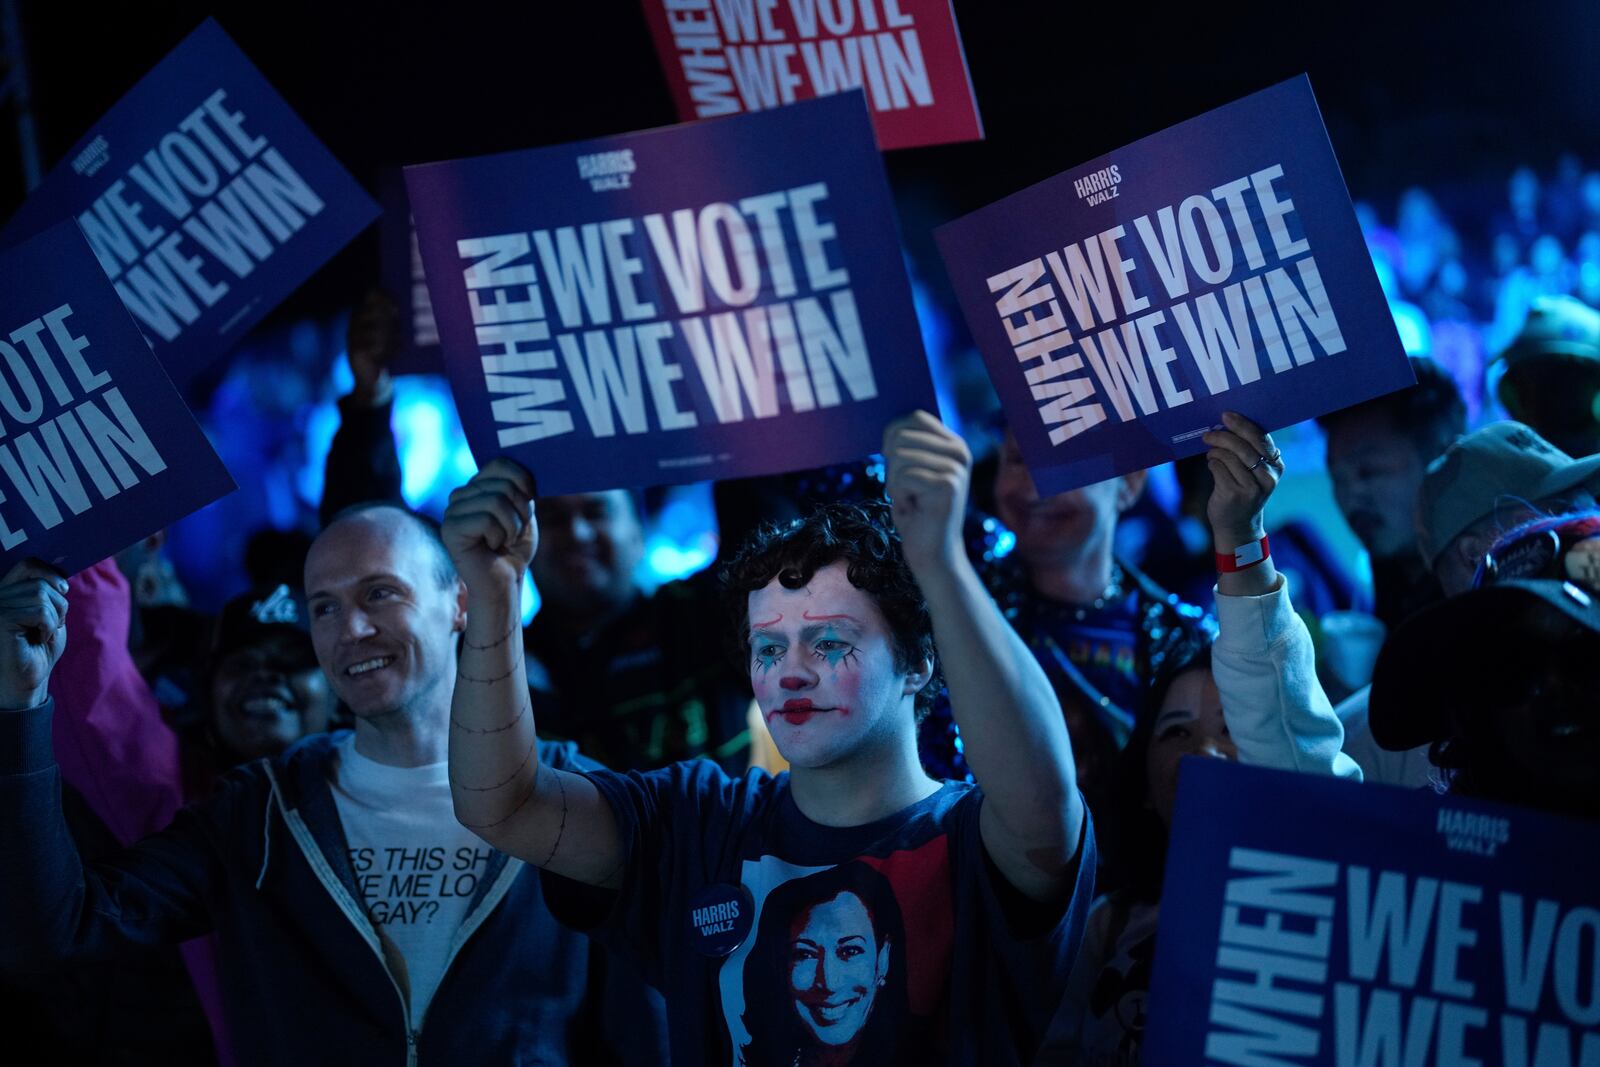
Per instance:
(779,941)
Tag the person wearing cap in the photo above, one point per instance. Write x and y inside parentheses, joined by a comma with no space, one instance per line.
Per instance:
(1501,683)
(1488,482)
(356,921)
(265,687)
(1552,374)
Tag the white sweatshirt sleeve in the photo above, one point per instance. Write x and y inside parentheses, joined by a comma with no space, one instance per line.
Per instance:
(1265,669)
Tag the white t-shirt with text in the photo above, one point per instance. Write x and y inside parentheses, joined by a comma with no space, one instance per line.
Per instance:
(416,866)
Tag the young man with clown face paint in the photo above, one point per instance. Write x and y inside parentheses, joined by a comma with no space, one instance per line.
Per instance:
(837,616)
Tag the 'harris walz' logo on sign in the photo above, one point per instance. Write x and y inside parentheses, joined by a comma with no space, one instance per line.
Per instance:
(94,156)
(1098,187)
(1466,831)
(607,170)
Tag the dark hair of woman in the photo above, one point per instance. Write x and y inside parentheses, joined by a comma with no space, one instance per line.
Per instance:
(1135,837)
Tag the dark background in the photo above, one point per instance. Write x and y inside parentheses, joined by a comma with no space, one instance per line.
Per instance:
(1451,99)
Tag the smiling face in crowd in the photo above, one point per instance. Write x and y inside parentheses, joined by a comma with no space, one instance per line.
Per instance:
(822,664)
(1054,531)
(383,622)
(1190,723)
(268,694)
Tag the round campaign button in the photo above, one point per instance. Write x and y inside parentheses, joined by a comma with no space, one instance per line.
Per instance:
(720,917)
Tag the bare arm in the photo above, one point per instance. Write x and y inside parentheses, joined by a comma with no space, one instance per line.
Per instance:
(551,818)
(1011,723)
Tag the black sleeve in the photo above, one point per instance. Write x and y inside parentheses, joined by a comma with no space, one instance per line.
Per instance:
(363,462)
(665,819)
(616,992)
(54,907)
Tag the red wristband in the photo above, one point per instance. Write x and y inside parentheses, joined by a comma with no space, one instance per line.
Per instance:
(1244,557)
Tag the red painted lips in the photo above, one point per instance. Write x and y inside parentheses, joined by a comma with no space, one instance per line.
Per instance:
(795,712)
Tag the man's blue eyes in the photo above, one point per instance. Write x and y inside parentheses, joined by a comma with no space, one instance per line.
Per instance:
(323,608)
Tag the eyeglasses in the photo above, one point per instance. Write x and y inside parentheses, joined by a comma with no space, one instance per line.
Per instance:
(1565,548)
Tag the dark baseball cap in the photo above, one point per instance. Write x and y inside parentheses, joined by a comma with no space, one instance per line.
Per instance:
(1447,657)
(256,618)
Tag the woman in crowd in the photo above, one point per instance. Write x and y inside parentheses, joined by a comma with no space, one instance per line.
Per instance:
(1253,696)
(263,688)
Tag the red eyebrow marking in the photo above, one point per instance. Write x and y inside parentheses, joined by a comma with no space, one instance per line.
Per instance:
(770,622)
(825,618)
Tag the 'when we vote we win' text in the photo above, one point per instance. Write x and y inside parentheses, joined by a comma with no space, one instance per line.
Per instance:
(760,305)
(1216,281)
(64,429)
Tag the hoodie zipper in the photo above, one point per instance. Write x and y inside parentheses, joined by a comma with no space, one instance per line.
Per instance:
(469,926)
(341,897)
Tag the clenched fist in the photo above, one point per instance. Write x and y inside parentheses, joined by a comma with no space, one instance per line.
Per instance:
(33,633)
(489,529)
(929,468)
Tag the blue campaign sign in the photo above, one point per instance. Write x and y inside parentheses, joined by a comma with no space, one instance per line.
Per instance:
(714,300)
(1311,920)
(1123,305)
(400,268)
(205,198)
(97,450)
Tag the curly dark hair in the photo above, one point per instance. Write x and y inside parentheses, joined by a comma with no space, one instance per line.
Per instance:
(862,534)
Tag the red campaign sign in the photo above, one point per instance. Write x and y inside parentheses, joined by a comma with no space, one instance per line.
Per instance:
(723,57)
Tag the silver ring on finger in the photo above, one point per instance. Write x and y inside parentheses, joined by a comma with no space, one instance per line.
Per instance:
(1259,460)
(1276,459)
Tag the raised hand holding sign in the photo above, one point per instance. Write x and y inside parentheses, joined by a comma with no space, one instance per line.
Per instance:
(489,528)
(33,633)
(1245,468)
(929,468)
